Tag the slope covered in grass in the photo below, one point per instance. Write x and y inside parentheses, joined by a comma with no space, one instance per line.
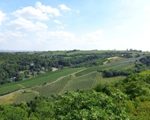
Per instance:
(39,80)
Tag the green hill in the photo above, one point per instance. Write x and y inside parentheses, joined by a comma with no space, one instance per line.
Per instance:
(78,75)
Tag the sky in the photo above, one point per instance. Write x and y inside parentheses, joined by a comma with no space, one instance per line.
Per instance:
(74,24)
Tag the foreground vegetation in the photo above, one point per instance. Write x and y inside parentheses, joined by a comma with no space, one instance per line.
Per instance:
(73,105)
(86,85)
(127,99)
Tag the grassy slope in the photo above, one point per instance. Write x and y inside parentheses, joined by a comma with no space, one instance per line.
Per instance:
(85,79)
(62,84)
(64,80)
(56,86)
(53,88)
(71,83)
(122,64)
(41,79)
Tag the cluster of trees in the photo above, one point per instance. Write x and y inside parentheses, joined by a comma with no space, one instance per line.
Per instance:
(142,64)
(114,73)
(145,60)
(136,86)
(17,67)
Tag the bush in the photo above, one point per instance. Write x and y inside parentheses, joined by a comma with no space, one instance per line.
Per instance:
(88,105)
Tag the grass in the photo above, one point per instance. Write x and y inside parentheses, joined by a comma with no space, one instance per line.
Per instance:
(146,72)
(1,61)
(25,96)
(73,83)
(68,80)
(39,80)
(8,99)
(86,81)
(49,77)
(86,71)
(53,88)
(18,97)
(142,112)
(113,59)
(121,65)
(64,80)
(111,80)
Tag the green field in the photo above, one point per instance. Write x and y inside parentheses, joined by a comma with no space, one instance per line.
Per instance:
(83,82)
(53,88)
(73,83)
(67,79)
(39,80)
(62,83)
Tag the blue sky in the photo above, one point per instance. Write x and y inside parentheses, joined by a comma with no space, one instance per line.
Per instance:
(74,24)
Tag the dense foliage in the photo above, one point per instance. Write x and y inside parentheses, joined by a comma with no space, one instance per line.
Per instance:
(89,105)
(145,60)
(113,73)
(137,86)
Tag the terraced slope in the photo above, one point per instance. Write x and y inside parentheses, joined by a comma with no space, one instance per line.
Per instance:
(25,90)
(56,86)
(83,79)
(86,81)
(39,80)
(68,79)
(73,83)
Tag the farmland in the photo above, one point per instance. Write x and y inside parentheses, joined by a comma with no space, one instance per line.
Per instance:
(42,79)
(79,73)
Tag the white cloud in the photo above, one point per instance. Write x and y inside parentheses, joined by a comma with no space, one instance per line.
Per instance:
(59,25)
(35,27)
(24,24)
(42,27)
(31,13)
(61,35)
(48,9)
(64,7)
(30,28)
(58,22)
(37,12)
(2,17)
(95,36)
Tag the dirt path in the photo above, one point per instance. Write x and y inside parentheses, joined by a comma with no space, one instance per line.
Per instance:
(62,77)
(9,98)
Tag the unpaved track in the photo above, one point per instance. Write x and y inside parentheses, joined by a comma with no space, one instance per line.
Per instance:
(10,96)
(62,77)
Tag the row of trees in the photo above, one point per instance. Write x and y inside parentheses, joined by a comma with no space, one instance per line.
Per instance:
(114,73)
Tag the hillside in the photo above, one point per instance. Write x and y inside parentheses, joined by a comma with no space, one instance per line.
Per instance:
(77,75)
